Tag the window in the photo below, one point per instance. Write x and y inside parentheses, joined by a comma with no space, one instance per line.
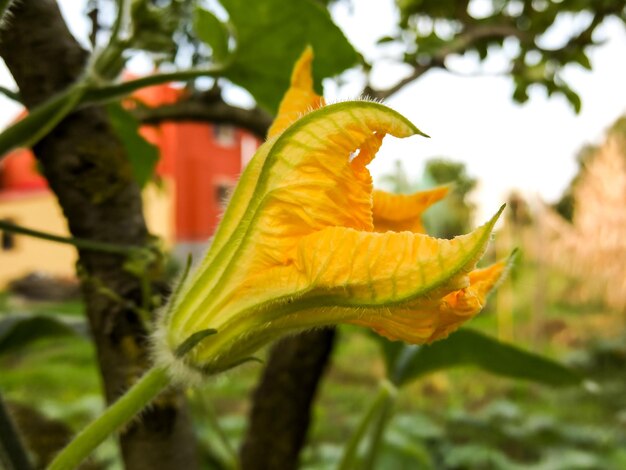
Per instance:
(224,135)
(7,239)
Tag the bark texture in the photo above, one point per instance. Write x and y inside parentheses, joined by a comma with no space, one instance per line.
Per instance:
(87,169)
(281,410)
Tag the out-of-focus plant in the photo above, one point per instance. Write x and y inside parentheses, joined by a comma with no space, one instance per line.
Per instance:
(591,246)
(432,31)
(407,363)
(456,212)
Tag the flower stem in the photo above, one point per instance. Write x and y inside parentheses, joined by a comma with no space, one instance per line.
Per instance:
(114,417)
(380,425)
(379,406)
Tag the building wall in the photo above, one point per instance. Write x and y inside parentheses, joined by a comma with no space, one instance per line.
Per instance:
(158,209)
(198,168)
(207,166)
(40,211)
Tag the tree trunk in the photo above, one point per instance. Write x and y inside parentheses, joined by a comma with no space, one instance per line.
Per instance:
(281,410)
(86,167)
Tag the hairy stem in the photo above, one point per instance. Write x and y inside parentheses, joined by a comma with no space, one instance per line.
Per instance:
(117,415)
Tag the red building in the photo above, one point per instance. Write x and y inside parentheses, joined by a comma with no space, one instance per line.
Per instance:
(201,160)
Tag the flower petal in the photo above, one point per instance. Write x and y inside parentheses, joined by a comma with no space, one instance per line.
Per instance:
(310,181)
(403,285)
(300,97)
(429,320)
(400,212)
(299,183)
(362,269)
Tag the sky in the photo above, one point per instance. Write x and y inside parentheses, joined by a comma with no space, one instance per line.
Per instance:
(529,147)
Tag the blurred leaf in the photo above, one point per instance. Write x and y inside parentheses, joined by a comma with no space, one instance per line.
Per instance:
(471,348)
(17,330)
(572,459)
(572,97)
(583,59)
(386,39)
(142,155)
(155,27)
(418,426)
(212,32)
(401,451)
(272,34)
(476,456)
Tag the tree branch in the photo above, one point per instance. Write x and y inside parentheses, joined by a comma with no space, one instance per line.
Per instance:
(206,107)
(459,45)
(281,409)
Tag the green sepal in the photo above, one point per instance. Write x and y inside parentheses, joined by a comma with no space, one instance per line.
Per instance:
(193,341)
(207,370)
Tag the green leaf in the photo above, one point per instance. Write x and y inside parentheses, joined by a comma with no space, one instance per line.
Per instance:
(155,27)
(142,155)
(272,34)
(470,348)
(212,32)
(386,39)
(18,330)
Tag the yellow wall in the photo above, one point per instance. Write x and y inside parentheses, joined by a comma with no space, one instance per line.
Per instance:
(158,209)
(41,211)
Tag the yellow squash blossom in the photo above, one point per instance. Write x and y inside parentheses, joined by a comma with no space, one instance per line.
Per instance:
(306,242)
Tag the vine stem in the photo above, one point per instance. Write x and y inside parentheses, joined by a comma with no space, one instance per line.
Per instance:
(379,406)
(384,415)
(77,242)
(113,418)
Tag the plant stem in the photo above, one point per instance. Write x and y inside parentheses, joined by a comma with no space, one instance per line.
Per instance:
(384,397)
(116,90)
(11,447)
(41,120)
(123,13)
(114,417)
(382,419)
(77,242)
